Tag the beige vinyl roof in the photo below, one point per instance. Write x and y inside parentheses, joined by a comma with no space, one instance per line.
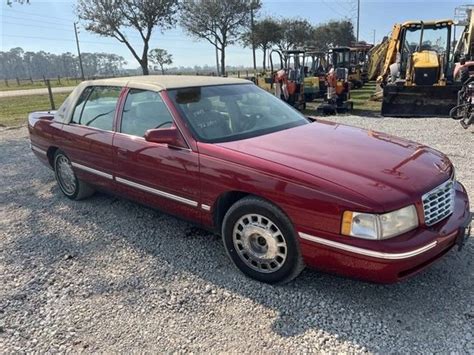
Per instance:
(165,82)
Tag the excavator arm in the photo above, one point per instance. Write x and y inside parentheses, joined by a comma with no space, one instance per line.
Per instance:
(465,44)
(392,50)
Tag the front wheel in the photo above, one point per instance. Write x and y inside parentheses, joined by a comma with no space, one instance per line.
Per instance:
(68,182)
(261,241)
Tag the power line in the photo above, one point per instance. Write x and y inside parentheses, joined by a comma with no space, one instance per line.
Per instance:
(63,27)
(68,27)
(35,26)
(36,15)
(113,44)
(57,39)
(333,9)
(27,19)
(343,8)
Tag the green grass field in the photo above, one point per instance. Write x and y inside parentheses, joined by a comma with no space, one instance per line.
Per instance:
(14,110)
(26,84)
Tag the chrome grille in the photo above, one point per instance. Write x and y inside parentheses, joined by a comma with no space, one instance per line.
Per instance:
(438,203)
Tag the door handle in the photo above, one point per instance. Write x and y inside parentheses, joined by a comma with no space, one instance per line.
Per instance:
(122,152)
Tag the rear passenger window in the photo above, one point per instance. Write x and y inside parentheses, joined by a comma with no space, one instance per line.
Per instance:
(144,110)
(76,117)
(96,107)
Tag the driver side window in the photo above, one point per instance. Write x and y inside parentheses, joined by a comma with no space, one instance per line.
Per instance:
(144,110)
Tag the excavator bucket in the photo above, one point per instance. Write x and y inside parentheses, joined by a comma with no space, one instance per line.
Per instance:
(419,101)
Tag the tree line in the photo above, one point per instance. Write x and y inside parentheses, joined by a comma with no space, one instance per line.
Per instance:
(221,23)
(17,63)
(288,34)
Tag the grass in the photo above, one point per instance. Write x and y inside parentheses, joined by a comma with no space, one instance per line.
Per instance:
(24,84)
(362,104)
(360,97)
(14,110)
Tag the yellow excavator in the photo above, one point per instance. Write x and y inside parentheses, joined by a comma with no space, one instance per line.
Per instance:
(360,60)
(377,55)
(315,74)
(345,57)
(417,73)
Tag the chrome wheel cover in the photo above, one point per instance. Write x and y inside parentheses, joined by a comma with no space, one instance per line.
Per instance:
(65,174)
(259,243)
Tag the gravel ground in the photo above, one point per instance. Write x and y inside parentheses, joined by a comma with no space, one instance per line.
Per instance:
(109,275)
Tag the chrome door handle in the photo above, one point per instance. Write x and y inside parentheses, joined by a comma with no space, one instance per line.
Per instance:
(122,152)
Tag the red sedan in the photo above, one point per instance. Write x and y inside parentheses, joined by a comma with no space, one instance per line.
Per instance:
(283,190)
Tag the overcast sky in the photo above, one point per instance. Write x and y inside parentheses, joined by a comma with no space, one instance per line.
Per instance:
(48,26)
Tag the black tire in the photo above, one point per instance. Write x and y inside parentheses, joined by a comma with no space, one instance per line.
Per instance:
(77,189)
(293,263)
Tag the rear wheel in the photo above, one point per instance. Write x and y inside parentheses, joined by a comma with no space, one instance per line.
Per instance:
(68,182)
(261,241)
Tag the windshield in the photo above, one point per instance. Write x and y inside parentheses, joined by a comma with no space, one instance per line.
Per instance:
(434,39)
(341,58)
(232,112)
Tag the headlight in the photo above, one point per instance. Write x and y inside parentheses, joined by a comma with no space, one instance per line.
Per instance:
(379,226)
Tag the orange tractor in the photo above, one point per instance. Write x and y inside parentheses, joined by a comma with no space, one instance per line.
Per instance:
(288,81)
(338,88)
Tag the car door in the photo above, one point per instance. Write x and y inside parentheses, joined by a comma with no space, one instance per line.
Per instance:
(88,137)
(155,174)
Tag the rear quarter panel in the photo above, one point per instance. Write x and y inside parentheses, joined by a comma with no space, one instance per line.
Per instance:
(43,133)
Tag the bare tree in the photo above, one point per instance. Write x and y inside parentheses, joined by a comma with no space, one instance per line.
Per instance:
(10,2)
(220,22)
(109,18)
(161,57)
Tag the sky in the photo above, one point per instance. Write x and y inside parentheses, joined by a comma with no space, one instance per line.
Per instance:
(48,26)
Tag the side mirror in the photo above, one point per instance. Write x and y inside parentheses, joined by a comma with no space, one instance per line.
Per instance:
(170,136)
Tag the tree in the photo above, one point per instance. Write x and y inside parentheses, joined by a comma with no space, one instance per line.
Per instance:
(333,34)
(10,2)
(109,18)
(220,22)
(161,57)
(295,33)
(266,33)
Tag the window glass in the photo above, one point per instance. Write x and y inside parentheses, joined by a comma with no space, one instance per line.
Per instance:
(99,109)
(230,112)
(76,117)
(144,110)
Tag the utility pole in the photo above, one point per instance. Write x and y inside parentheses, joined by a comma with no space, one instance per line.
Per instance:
(79,52)
(374,38)
(217,58)
(252,37)
(217,62)
(358,19)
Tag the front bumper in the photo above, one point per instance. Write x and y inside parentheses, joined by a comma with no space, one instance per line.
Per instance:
(390,260)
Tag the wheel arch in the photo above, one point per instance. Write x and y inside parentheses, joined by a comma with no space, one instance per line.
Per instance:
(225,201)
(50,154)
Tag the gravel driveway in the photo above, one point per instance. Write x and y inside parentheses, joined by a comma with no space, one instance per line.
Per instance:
(108,275)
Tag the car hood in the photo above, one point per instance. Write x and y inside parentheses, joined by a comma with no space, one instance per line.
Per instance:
(385,169)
